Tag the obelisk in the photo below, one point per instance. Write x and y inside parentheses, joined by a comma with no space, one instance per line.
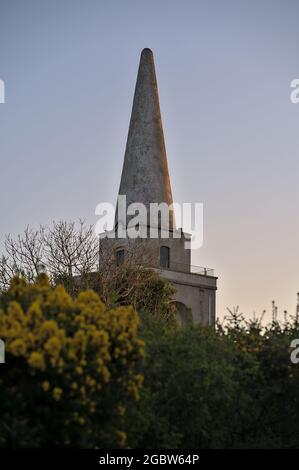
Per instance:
(145,177)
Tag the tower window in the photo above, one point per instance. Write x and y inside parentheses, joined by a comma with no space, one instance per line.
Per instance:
(120,257)
(164,256)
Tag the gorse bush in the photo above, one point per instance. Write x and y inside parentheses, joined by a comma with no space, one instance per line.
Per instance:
(71,367)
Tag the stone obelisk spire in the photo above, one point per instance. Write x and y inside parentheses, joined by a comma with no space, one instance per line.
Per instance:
(145,175)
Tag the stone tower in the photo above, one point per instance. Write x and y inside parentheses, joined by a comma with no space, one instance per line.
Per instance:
(145,179)
(145,175)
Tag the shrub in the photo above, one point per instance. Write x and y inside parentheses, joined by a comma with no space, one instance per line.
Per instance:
(71,367)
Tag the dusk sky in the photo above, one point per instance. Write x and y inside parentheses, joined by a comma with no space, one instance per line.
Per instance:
(224,70)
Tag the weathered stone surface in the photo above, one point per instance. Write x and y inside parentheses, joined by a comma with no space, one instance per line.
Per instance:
(145,175)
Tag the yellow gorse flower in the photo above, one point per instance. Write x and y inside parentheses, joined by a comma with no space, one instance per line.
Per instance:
(37,361)
(45,386)
(57,392)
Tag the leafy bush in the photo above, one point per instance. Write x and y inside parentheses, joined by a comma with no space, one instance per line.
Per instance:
(71,367)
(226,388)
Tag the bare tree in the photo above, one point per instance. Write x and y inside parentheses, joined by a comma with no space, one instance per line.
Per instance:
(70,250)
(65,250)
(7,272)
(25,253)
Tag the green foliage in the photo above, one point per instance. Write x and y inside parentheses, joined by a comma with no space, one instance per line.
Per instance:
(141,287)
(74,371)
(230,388)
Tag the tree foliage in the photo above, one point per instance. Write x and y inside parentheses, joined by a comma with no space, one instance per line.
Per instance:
(75,364)
(232,387)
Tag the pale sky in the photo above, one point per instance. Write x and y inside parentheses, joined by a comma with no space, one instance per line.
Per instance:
(224,70)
